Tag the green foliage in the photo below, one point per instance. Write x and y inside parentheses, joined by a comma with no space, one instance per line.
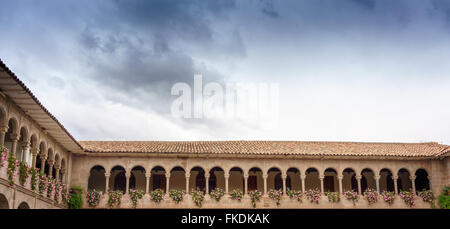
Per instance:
(76,198)
(444,198)
(198,196)
(136,195)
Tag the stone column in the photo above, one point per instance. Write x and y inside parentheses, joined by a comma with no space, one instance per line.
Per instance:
(377,181)
(14,139)
(187,184)
(207,184)
(43,159)
(395,178)
(265,176)
(284,176)
(57,169)
(358,179)
(51,162)
(127,185)
(25,151)
(303,178)
(147,182)
(321,177)
(63,176)
(340,184)
(3,131)
(167,182)
(107,182)
(34,153)
(245,184)
(413,183)
(226,182)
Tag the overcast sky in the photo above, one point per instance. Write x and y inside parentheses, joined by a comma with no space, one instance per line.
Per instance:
(356,70)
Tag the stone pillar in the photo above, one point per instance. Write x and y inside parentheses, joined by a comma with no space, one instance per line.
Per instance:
(265,176)
(321,177)
(226,182)
(167,182)
(147,182)
(63,176)
(395,178)
(43,159)
(377,181)
(34,153)
(207,184)
(340,184)
(57,169)
(51,162)
(187,184)
(25,151)
(3,131)
(127,185)
(245,184)
(107,182)
(413,183)
(358,179)
(14,139)
(303,178)
(284,176)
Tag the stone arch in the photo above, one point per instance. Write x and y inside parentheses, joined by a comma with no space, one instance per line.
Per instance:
(349,182)
(177,179)
(236,179)
(216,178)
(312,179)
(404,182)
(158,178)
(137,178)
(3,202)
(197,179)
(386,180)
(255,179)
(117,179)
(24,140)
(293,181)
(274,179)
(368,180)
(330,180)
(422,182)
(97,178)
(12,133)
(24,205)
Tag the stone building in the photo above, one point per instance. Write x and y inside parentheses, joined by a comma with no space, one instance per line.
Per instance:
(36,137)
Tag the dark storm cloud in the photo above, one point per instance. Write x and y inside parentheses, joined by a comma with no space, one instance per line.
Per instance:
(268,8)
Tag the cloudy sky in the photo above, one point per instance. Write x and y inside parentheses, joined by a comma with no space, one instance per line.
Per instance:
(356,70)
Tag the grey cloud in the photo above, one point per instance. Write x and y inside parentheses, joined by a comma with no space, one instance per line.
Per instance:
(268,8)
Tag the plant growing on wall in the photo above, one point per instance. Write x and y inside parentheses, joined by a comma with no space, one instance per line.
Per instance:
(408,198)
(388,197)
(65,194)
(93,197)
(156,195)
(255,195)
(34,178)
(427,196)
(237,194)
(76,198)
(42,184)
(333,197)
(135,196)
(3,156)
(115,198)
(275,195)
(198,196)
(371,196)
(294,194)
(24,172)
(444,198)
(58,192)
(51,188)
(176,195)
(313,195)
(351,195)
(217,194)
(12,167)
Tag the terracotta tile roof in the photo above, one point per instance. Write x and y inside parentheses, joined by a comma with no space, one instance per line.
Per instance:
(270,148)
